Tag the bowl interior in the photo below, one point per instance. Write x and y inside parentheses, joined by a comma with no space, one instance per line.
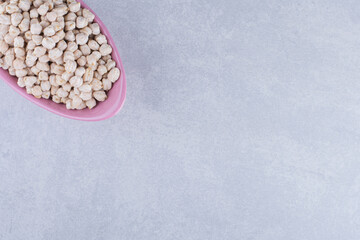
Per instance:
(103,110)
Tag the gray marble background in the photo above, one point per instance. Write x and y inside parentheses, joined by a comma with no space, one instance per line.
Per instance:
(242,121)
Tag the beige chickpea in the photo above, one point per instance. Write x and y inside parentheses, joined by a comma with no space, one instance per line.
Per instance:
(28,36)
(110,64)
(28,90)
(85,49)
(35,28)
(81,22)
(30,63)
(60,81)
(76,81)
(35,70)
(68,104)
(92,62)
(69,56)
(62,93)
(37,3)
(97,75)
(76,101)
(101,39)
(16,19)
(64,99)
(72,94)
(3,7)
(70,36)
(89,75)
(60,34)
(91,103)
(5,19)
(48,43)
(85,88)
(19,52)
(80,71)
(56,38)
(74,7)
(86,30)
(102,69)
(57,69)
(36,91)
(52,80)
(59,60)
(61,21)
(21,73)
(95,28)
(30,81)
(30,45)
(76,91)
(61,10)
(70,17)
(39,51)
(24,5)
(114,74)
(93,45)
(72,47)
(3,46)
(55,53)
(77,54)
(12,8)
(70,66)
(56,99)
(57,26)
(24,25)
(45,95)
(34,14)
(44,58)
(43,66)
(26,15)
(81,106)
(82,38)
(4,29)
(81,61)
(18,64)
(100,96)
(43,9)
(62,45)
(107,84)
(12,71)
(88,15)
(45,24)
(51,5)
(54,89)
(49,31)
(14,31)
(105,49)
(20,82)
(97,55)
(51,16)
(85,96)
(70,25)
(67,87)
(43,76)
(37,39)
(67,75)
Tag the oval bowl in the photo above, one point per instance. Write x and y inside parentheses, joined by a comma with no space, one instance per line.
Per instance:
(103,110)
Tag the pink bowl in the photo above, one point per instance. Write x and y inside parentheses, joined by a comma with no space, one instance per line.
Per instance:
(104,110)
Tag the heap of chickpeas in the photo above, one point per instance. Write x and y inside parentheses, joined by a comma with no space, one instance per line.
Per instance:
(56,51)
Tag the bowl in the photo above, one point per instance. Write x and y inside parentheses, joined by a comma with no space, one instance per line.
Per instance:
(103,110)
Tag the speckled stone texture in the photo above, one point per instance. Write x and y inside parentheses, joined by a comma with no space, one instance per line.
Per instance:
(242,122)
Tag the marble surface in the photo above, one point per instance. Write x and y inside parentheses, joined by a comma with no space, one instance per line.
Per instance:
(242,121)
